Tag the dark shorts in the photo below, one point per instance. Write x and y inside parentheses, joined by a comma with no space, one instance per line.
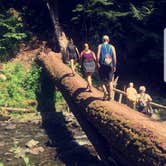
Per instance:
(89,66)
(73,56)
(106,73)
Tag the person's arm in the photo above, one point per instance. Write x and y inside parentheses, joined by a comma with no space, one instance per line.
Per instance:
(138,97)
(98,55)
(81,56)
(94,56)
(114,56)
(149,98)
(77,52)
(135,92)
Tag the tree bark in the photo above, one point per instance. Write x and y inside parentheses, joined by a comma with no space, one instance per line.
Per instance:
(130,137)
(52,6)
(53,10)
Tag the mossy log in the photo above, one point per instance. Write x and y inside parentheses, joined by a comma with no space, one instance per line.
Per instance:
(131,138)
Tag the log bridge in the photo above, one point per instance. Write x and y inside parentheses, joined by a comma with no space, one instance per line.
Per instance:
(115,130)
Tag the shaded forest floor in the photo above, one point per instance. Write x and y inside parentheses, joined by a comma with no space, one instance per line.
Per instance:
(59,143)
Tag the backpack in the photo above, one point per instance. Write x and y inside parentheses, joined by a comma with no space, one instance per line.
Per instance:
(106,55)
(142,100)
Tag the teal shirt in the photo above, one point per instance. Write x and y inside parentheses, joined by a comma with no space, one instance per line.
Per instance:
(105,48)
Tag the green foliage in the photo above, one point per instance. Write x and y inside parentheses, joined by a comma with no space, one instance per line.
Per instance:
(105,14)
(58,96)
(11,33)
(108,15)
(11,89)
(20,86)
(141,13)
(97,8)
(30,83)
(26,160)
(18,151)
(1,164)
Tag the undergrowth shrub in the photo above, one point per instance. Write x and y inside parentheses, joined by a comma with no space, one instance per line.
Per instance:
(20,86)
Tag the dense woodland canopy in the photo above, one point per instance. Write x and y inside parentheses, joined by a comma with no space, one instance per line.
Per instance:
(135,27)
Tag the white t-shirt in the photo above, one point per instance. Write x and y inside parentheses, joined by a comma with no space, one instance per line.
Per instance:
(143,99)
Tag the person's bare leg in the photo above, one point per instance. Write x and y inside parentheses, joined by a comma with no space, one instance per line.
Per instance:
(89,80)
(104,90)
(104,87)
(72,66)
(111,90)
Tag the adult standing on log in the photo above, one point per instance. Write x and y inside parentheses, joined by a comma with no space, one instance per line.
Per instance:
(73,54)
(88,59)
(131,94)
(106,56)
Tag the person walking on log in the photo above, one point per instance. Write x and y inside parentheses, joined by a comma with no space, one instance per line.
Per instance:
(88,60)
(73,54)
(106,57)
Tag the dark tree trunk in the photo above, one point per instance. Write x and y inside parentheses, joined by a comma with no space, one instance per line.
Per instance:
(52,6)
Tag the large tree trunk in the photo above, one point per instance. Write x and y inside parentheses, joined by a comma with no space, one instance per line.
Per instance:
(52,6)
(115,130)
(53,10)
(59,35)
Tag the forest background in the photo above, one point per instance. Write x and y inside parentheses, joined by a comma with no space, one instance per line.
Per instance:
(135,28)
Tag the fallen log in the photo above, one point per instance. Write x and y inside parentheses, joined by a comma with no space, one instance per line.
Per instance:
(11,109)
(128,136)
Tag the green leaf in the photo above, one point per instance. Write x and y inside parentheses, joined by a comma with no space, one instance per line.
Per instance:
(17,36)
(79,8)
(5,25)
(135,12)
(26,160)
(102,2)
(1,164)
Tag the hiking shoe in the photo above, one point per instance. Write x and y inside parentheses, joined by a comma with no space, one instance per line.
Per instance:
(88,89)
